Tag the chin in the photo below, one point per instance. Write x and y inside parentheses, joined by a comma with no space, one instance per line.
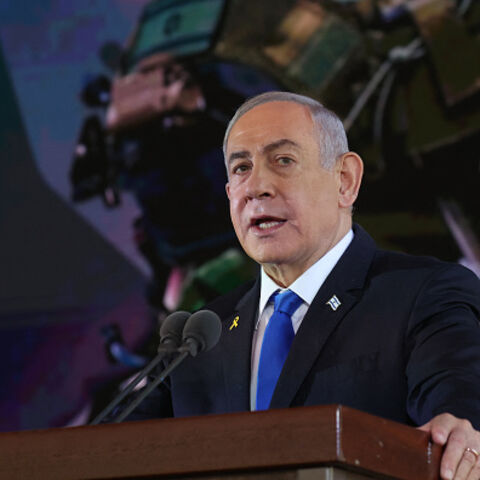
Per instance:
(268,256)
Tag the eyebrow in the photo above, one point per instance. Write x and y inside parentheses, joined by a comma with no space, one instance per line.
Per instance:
(266,149)
(280,143)
(235,155)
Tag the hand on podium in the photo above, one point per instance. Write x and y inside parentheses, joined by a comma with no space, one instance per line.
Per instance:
(460,460)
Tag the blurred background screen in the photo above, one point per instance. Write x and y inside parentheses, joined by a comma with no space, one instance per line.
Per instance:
(112,201)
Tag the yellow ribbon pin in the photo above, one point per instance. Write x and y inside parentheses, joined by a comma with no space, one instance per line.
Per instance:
(234,323)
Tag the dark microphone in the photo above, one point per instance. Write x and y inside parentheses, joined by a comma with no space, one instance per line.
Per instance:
(170,339)
(201,333)
(171,330)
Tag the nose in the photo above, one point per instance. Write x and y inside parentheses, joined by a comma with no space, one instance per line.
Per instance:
(260,183)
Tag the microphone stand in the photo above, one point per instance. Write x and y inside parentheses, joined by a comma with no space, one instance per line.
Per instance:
(170,338)
(200,332)
(140,376)
(179,359)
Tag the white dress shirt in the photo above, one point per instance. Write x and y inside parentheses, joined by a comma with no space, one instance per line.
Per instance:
(306,287)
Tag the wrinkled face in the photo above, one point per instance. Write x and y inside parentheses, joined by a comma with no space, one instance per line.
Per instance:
(284,205)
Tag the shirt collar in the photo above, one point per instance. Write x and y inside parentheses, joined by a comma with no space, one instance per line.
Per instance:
(309,282)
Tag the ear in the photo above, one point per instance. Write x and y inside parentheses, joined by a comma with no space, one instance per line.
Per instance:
(227,189)
(350,168)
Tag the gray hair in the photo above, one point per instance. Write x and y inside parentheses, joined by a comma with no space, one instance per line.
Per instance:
(332,139)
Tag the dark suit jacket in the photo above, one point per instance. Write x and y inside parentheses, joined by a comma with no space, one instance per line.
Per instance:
(404,344)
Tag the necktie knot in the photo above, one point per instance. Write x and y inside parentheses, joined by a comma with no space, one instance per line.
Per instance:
(286,302)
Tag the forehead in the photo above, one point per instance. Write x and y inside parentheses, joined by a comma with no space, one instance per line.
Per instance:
(268,122)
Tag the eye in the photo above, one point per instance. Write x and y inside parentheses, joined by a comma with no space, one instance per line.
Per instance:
(284,160)
(240,168)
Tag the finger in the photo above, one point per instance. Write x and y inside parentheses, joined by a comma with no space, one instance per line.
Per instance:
(440,427)
(426,427)
(475,471)
(453,454)
(466,465)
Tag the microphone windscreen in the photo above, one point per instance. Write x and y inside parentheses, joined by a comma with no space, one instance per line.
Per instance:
(205,327)
(171,329)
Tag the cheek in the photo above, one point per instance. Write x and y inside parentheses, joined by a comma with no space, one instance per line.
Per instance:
(235,212)
(321,196)
(236,198)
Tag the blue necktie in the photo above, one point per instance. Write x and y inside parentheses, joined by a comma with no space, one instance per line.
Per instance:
(276,344)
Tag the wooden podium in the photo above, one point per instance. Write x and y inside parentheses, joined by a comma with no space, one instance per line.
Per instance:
(309,443)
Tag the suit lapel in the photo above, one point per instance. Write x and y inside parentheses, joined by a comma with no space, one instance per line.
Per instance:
(345,282)
(237,349)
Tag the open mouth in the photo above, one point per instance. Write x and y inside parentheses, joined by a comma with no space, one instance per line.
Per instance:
(266,223)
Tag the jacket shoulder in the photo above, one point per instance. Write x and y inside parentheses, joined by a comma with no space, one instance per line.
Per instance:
(386,259)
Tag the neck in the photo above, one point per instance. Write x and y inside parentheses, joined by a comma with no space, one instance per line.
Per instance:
(281,274)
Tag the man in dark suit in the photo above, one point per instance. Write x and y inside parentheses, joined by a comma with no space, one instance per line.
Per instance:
(393,335)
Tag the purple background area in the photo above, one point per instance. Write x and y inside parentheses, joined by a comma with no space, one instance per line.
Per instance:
(66,270)
(50,47)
